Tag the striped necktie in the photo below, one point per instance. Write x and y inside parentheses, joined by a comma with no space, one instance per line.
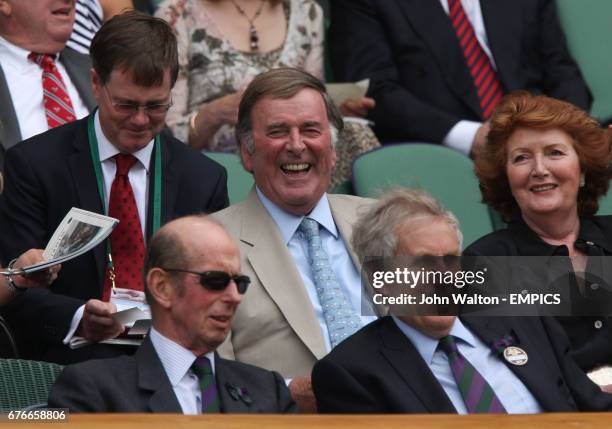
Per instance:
(477,394)
(58,107)
(485,79)
(208,387)
(338,313)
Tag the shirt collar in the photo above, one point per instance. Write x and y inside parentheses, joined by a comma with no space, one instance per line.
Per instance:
(288,223)
(17,54)
(175,359)
(426,345)
(530,244)
(107,150)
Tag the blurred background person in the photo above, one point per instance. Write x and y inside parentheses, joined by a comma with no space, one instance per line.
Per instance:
(90,14)
(544,168)
(438,67)
(224,44)
(43,83)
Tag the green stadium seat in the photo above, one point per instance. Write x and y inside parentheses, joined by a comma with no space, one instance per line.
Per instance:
(239,181)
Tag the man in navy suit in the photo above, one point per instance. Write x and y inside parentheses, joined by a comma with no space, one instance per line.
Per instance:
(134,68)
(418,72)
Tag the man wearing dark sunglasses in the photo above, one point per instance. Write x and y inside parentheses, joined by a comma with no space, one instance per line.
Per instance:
(194,286)
(116,161)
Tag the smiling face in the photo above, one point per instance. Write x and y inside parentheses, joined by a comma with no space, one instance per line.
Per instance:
(201,318)
(543,171)
(132,131)
(428,237)
(293,156)
(41,26)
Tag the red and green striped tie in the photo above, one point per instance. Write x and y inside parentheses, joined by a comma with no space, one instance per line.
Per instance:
(476,392)
(210,399)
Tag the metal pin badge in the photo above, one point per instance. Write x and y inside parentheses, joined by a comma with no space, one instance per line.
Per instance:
(515,355)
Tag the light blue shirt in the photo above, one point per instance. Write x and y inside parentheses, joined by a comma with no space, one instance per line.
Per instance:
(512,393)
(336,249)
(177,361)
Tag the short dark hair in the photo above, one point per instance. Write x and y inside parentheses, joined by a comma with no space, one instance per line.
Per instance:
(521,109)
(281,83)
(138,43)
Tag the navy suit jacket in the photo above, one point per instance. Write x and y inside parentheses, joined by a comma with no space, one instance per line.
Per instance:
(49,174)
(417,70)
(139,384)
(378,370)
(78,67)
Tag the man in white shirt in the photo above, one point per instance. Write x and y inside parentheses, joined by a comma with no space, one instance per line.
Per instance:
(286,128)
(193,285)
(115,161)
(420,71)
(39,27)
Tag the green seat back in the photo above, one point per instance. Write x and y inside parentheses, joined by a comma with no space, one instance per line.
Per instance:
(25,382)
(588,30)
(239,181)
(444,173)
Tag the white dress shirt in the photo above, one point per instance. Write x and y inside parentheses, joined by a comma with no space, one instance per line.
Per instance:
(509,389)
(336,249)
(177,361)
(139,179)
(24,81)
(461,136)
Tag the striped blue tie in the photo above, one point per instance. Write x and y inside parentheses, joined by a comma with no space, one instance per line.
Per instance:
(339,315)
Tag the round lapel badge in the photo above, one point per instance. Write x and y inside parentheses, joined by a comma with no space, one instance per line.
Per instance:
(515,355)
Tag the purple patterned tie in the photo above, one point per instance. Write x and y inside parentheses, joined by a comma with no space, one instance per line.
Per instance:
(210,399)
(477,394)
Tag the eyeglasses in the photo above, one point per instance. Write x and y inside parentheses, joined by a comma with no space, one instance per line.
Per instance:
(156,109)
(217,280)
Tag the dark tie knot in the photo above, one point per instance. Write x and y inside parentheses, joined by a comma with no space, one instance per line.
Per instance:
(124,163)
(448,345)
(45,61)
(201,367)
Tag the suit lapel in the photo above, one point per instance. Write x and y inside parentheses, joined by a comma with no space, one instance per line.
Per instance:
(503,25)
(79,67)
(278,274)
(153,381)
(537,373)
(227,387)
(412,369)
(432,25)
(84,178)
(9,125)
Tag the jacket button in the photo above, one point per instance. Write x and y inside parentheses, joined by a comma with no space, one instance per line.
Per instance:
(595,286)
(598,324)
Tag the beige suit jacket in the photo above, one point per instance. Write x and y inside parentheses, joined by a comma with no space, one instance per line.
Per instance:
(275,326)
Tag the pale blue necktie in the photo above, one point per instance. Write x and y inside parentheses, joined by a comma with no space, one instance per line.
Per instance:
(339,315)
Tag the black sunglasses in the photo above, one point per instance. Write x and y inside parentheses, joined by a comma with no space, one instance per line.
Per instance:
(217,280)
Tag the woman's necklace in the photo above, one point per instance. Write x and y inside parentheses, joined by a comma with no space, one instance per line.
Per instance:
(253,36)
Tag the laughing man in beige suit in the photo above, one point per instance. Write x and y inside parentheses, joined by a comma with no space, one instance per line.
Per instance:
(286,128)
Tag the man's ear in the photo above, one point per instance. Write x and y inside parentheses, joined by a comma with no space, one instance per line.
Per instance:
(246,157)
(96,85)
(160,287)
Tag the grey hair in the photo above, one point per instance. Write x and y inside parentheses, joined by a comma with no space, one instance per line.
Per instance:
(376,232)
(281,83)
